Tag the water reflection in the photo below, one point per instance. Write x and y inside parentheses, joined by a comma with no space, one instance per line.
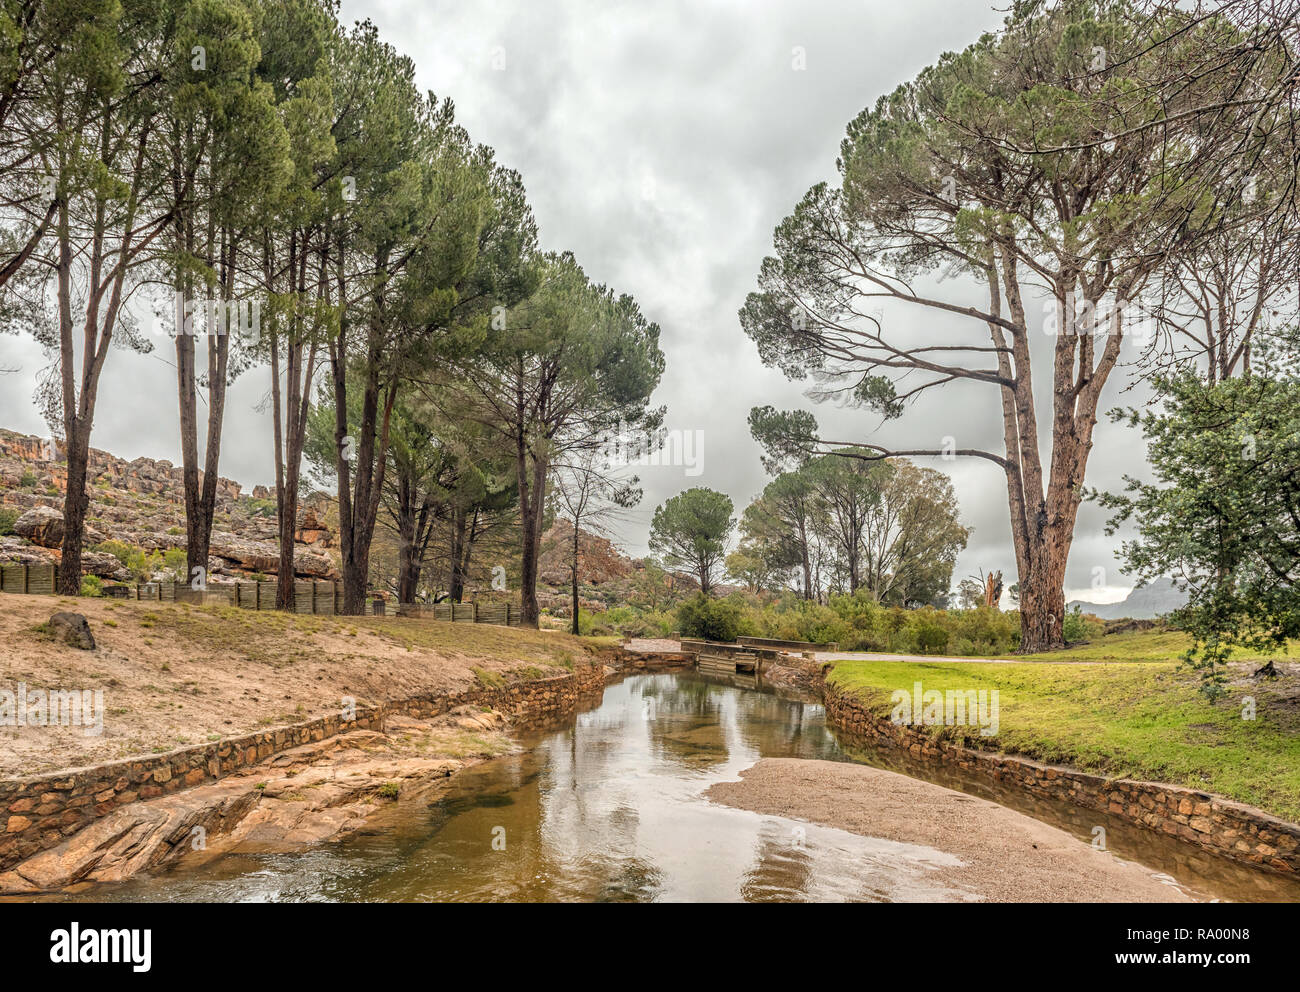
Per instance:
(609,809)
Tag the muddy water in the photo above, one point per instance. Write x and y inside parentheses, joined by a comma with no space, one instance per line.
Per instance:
(609,808)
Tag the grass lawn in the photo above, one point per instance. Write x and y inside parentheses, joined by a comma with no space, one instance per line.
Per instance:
(1132,719)
(1144,645)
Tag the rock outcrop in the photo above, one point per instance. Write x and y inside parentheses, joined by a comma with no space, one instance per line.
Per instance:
(599,561)
(42,525)
(319,791)
(141,504)
(312,531)
(264,556)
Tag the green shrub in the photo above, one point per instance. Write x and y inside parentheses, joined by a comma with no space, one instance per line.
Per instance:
(1077,627)
(988,631)
(8,518)
(808,621)
(931,638)
(28,480)
(92,585)
(617,616)
(589,626)
(119,550)
(143,565)
(712,619)
(631,622)
(856,622)
(261,507)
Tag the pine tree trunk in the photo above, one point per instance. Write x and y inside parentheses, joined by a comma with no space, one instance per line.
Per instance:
(355,576)
(532,494)
(467,551)
(218,359)
(75,504)
(287,515)
(575,579)
(528,610)
(456,588)
(1042,604)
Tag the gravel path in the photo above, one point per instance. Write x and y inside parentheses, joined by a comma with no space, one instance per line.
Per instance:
(933,658)
(1007,857)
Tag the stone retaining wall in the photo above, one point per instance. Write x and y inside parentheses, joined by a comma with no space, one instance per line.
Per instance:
(791,672)
(653,661)
(40,812)
(1215,824)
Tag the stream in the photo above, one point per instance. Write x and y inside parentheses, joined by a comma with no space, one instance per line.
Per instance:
(608,807)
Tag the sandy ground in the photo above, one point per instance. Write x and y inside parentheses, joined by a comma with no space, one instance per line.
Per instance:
(173,676)
(1006,856)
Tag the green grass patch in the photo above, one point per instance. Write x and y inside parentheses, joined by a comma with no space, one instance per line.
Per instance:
(1144,645)
(1143,720)
(529,673)
(493,680)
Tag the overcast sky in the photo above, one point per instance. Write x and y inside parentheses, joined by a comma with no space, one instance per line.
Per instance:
(661,143)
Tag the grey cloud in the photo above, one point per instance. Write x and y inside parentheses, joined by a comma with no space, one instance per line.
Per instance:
(701,97)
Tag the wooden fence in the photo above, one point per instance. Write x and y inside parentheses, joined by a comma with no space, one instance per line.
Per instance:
(506,614)
(319,598)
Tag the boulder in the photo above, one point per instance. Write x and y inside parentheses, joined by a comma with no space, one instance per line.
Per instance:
(312,531)
(106,566)
(42,525)
(73,630)
(250,556)
(264,556)
(313,566)
(15,551)
(152,541)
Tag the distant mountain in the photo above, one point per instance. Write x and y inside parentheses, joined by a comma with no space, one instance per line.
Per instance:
(1144,603)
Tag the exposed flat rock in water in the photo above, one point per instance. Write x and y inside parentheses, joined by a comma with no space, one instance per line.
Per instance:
(1005,856)
(307,795)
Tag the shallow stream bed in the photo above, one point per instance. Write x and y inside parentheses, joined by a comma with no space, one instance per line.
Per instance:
(610,807)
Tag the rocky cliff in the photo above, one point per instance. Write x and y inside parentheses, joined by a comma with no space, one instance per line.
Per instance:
(139,505)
